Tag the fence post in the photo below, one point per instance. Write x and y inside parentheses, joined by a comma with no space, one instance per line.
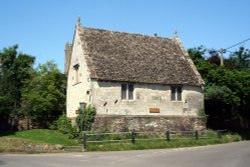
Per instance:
(85,141)
(133,137)
(196,135)
(167,135)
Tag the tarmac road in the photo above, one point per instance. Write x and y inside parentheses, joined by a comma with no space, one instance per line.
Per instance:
(225,155)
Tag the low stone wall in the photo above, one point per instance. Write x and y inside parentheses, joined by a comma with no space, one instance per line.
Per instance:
(23,123)
(33,148)
(121,123)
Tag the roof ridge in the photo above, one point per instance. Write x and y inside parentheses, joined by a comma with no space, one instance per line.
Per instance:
(123,32)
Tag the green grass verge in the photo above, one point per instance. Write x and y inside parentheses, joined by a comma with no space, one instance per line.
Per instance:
(16,141)
(42,136)
(159,144)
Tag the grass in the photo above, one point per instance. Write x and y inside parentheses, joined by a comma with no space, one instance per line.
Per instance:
(142,145)
(159,144)
(16,141)
(42,136)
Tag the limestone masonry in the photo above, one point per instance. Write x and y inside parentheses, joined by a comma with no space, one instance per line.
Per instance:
(134,81)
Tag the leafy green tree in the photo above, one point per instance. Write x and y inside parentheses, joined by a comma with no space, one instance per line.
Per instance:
(239,59)
(214,57)
(196,54)
(220,102)
(227,90)
(202,65)
(15,69)
(43,97)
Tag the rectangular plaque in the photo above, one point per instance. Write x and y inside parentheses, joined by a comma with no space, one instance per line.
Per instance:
(154,110)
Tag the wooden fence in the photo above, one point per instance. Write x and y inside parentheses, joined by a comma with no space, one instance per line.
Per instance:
(134,137)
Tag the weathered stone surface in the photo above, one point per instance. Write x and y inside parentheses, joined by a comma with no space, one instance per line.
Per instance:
(42,147)
(96,72)
(101,61)
(23,123)
(150,96)
(119,123)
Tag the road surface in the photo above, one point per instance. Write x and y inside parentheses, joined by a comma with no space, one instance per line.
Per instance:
(225,155)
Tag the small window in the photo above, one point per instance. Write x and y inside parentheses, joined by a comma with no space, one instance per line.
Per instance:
(176,93)
(76,67)
(127,91)
(82,106)
(130,92)
(173,93)
(124,91)
(179,92)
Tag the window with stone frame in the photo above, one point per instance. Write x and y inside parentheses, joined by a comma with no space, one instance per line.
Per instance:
(127,91)
(176,93)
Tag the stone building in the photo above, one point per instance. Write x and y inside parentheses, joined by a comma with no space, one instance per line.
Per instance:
(135,81)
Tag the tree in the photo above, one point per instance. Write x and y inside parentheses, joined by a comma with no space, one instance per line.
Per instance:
(202,65)
(239,59)
(227,89)
(196,54)
(44,94)
(214,57)
(15,69)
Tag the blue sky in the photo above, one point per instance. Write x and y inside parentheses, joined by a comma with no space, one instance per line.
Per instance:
(42,27)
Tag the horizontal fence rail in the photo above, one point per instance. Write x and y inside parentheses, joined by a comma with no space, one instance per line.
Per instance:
(133,137)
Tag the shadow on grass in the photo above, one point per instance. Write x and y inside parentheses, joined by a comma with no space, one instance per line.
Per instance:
(6,133)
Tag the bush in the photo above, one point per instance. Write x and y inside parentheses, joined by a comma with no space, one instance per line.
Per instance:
(63,124)
(85,118)
(203,115)
(229,137)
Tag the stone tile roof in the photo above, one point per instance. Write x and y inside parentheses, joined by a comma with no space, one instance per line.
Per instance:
(127,57)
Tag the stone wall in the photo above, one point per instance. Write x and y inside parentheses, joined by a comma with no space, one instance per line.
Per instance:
(106,97)
(23,123)
(121,123)
(78,80)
